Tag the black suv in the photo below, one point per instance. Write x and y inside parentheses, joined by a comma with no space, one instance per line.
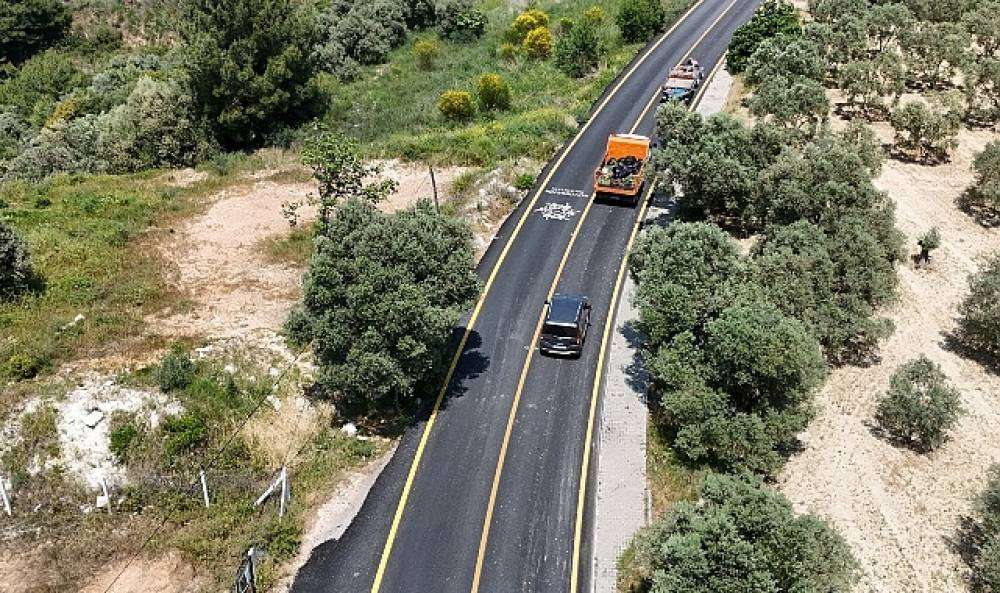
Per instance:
(566,323)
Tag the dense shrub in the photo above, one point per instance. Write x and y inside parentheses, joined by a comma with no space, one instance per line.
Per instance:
(741,536)
(538,43)
(69,147)
(774,18)
(251,66)
(493,92)
(15,263)
(639,20)
(920,407)
(121,439)
(461,21)
(358,33)
(176,370)
(37,86)
(986,165)
(979,313)
(526,22)
(924,131)
(456,105)
(426,52)
(183,434)
(14,132)
(734,375)
(578,50)
(155,127)
(112,85)
(29,26)
(381,296)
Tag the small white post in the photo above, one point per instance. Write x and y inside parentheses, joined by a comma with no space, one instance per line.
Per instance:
(6,499)
(104,488)
(204,487)
(284,492)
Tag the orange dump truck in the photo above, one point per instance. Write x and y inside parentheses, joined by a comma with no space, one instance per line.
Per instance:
(624,166)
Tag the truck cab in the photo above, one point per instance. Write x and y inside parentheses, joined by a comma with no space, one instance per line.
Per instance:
(564,330)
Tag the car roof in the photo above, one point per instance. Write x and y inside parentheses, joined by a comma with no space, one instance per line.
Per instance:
(565,308)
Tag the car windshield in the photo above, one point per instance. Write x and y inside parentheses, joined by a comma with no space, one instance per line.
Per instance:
(559,331)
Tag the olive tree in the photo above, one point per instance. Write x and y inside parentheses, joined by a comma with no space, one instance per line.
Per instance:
(979,313)
(985,192)
(921,406)
(873,84)
(985,541)
(798,103)
(381,296)
(926,132)
(887,23)
(934,51)
(982,90)
(743,536)
(983,22)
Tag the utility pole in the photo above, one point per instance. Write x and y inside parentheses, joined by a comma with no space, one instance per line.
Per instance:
(437,205)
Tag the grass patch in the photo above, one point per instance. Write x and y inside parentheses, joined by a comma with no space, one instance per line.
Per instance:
(392,108)
(91,239)
(670,481)
(292,249)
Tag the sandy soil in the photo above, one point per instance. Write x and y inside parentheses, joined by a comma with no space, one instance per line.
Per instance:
(169,574)
(216,260)
(900,510)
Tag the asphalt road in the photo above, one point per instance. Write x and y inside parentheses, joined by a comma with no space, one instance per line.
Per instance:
(492,503)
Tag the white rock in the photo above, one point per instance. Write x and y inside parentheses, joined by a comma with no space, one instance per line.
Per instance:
(273,372)
(102,501)
(350,429)
(230,368)
(93,418)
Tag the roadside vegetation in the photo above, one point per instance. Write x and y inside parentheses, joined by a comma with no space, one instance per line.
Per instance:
(784,263)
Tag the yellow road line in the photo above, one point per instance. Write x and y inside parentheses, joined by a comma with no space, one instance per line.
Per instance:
(605,340)
(485,536)
(421,446)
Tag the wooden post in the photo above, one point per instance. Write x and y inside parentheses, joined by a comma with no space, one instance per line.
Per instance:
(437,205)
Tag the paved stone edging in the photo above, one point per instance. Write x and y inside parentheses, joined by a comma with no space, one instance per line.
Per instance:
(622,494)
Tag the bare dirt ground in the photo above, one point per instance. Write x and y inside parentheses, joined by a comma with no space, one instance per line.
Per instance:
(900,510)
(168,574)
(216,260)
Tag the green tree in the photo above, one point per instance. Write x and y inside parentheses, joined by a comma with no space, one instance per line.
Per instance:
(461,21)
(251,65)
(982,89)
(983,22)
(381,296)
(15,263)
(920,406)
(680,272)
(872,84)
(341,173)
(797,103)
(742,536)
(785,57)
(935,50)
(578,50)
(774,18)
(986,166)
(639,20)
(979,313)
(29,26)
(924,131)
(37,86)
(887,23)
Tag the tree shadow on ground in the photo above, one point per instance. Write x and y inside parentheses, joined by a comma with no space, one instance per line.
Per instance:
(984,215)
(966,542)
(953,343)
(636,375)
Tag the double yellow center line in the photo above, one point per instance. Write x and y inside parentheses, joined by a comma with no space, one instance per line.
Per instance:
(435,410)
